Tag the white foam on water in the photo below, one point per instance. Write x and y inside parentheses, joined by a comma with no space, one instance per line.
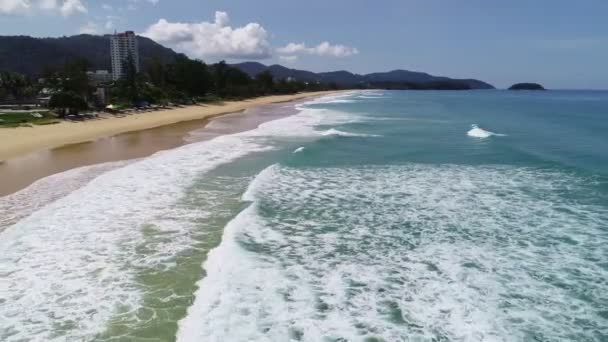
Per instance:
(340,101)
(65,268)
(42,192)
(299,149)
(477,132)
(371,95)
(411,252)
(336,132)
(69,266)
(344,97)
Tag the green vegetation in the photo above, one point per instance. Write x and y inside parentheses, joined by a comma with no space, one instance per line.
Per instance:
(17,119)
(69,86)
(183,81)
(67,102)
(16,88)
(526,86)
(188,81)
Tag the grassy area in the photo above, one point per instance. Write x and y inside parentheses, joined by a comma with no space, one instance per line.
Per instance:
(18,119)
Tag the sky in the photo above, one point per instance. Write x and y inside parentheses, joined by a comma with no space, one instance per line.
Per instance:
(560,44)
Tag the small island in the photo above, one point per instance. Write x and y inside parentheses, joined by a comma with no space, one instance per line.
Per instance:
(527,86)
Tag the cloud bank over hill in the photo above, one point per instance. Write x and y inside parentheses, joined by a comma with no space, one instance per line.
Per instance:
(323,49)
(215,38)
(220,39)
(207,39)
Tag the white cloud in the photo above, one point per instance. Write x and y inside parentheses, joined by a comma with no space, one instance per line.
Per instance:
(107,7)
(70,7)
(14,6)
(48,4)
(323,49)
(100,26)
(293,48)
(213,39)
(288,59)
(90,28)
(111,22)
(20,7)
(132,4)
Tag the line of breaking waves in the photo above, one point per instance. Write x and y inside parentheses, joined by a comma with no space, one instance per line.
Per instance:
(70,266)
(410,252)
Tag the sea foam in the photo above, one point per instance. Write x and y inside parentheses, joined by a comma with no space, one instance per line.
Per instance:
(336,132)
(405,252)
(44,191)
(477,132)
(70,265)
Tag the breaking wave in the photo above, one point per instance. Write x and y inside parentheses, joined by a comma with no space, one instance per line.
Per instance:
(413,252)
(477,132)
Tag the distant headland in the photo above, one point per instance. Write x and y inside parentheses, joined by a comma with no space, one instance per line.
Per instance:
(526,86)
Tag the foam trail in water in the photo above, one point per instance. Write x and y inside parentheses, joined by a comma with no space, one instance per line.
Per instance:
(298,150)
(19,205)
(477,132)
(346,97)
(371,95)
(336,132)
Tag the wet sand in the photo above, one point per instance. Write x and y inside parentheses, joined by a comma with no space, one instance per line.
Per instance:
(18,173)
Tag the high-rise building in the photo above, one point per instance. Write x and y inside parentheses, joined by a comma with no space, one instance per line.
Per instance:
(121,46)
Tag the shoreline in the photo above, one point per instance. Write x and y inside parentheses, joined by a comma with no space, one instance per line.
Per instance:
(143,135)
(20,141)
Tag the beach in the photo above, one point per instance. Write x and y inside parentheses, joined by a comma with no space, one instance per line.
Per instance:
(23,140)
(31,153)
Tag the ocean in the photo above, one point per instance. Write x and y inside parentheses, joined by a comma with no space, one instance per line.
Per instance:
(362,216)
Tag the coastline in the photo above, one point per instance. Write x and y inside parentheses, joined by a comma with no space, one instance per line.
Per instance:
(49,150)
(20,141)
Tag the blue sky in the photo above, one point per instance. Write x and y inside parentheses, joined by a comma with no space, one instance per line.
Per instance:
(562,44)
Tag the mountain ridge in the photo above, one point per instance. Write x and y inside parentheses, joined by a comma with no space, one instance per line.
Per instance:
(30,56)
(343,77)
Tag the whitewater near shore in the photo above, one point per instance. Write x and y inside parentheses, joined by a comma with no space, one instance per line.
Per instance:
(23,140)
(369,215)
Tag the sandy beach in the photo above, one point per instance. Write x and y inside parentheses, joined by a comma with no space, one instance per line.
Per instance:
(32,153)
(23,140)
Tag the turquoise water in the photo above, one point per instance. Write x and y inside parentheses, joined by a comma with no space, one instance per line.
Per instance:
(368,216)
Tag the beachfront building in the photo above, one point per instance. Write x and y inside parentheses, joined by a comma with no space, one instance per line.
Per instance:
(123,45)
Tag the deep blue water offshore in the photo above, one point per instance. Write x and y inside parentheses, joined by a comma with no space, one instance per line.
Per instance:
(366,216)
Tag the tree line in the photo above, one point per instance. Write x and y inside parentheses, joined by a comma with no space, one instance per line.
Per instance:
(185,81)
(16,88)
